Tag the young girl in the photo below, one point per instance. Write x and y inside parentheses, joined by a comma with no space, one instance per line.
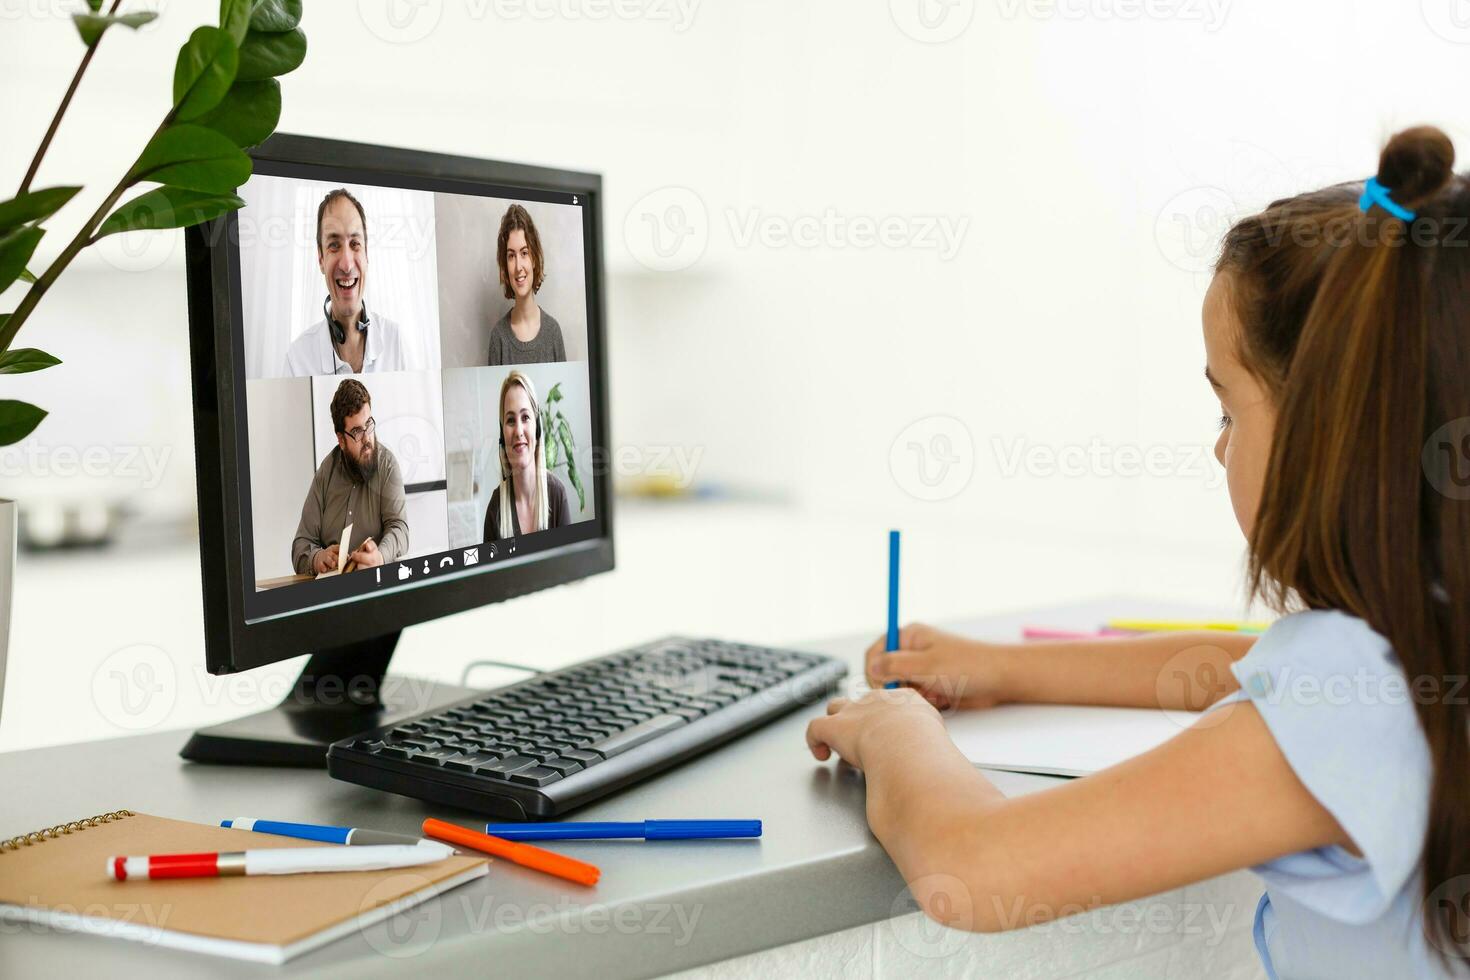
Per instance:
(1334,759)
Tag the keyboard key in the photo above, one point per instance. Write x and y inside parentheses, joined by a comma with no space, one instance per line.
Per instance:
(421,744)
(584,756)
(535,776)
(508,765)
(563,765)
(637,735)
(393,752)
(470,761)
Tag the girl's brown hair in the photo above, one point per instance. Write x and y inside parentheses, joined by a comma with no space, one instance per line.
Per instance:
(1358,324)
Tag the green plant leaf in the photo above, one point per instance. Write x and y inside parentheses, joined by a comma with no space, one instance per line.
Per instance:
(34,206)
(564,432)
(234,18)
(554,395)
(248,114)
(26,275)
(95,5)
(92,26)
(15,251)
(553,447)
(275,16)
(24,360)
(195,158)
(18,420)
(207,65)
(167,207)
(268,55)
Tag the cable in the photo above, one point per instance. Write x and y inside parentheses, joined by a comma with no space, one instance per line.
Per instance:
(464,677)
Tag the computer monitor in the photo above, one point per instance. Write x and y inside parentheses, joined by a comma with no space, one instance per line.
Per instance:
(400,412)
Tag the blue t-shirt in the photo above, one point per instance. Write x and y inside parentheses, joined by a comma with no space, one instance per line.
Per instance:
(1337,702)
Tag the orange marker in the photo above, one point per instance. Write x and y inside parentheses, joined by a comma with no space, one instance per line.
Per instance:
(525,855)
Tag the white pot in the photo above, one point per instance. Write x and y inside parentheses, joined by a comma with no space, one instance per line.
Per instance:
(8,511)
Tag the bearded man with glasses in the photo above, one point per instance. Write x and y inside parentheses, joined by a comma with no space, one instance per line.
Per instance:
(359,485)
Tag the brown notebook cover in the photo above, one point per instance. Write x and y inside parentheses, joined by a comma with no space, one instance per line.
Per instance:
(59,877)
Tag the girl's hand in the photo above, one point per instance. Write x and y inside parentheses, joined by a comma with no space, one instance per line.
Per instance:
(893,719)
(948,670)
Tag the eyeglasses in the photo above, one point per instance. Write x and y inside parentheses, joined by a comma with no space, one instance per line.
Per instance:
(357,433)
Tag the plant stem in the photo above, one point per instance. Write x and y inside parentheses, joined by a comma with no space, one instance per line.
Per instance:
(81,241)
(76,80)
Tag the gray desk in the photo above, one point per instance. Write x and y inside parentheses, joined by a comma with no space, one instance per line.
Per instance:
(658,909)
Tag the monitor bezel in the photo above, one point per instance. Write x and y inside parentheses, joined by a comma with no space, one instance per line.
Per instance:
(234,641)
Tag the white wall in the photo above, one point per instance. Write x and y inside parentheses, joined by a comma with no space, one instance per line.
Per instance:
(282,461)
(1091,160)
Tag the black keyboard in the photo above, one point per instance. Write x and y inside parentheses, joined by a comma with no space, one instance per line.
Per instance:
(541,747)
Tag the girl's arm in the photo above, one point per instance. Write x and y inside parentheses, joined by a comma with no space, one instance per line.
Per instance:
(1175,671)
(1218,797)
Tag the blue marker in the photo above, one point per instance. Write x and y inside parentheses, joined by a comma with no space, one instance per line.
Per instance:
(645,829)
(892,599)
(316,832)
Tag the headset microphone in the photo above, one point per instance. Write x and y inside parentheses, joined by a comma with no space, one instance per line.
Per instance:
(339,332)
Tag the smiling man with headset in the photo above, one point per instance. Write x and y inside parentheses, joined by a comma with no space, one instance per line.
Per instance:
(346,340)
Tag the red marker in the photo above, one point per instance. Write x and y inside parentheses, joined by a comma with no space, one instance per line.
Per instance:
(276,861)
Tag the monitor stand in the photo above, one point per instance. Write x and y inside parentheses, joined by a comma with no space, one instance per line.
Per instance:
(341,691)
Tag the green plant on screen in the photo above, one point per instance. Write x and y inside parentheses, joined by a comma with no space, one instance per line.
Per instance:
(561,446)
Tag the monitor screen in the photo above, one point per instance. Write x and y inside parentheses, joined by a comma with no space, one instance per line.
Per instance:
(418,383)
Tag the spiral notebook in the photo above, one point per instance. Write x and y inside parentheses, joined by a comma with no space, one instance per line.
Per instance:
(56,877)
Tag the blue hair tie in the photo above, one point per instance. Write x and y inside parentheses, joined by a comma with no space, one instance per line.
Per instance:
(1376,193)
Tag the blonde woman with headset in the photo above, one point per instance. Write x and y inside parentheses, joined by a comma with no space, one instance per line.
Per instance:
(528,498)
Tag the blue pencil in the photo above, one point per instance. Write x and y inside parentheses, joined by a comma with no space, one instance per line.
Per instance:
(892,598)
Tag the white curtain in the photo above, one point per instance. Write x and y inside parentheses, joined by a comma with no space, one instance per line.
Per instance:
(281,285)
